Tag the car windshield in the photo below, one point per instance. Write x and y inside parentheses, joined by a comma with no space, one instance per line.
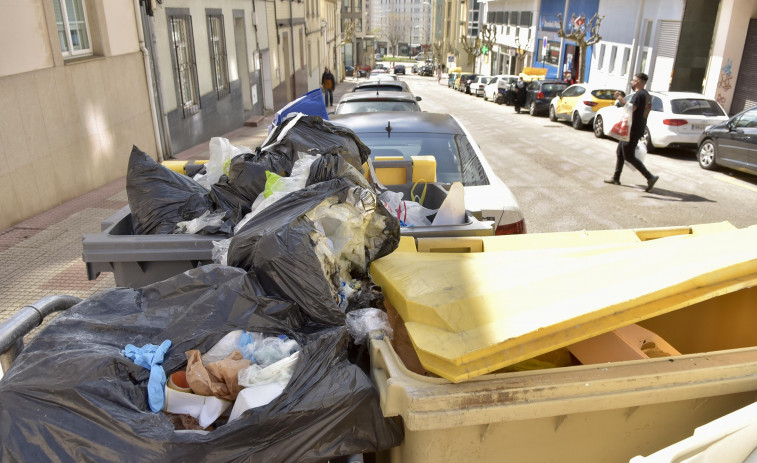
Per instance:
(441,146)
(696,107)
(372,106)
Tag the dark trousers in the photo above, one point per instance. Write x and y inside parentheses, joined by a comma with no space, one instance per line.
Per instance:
(329,96)
(627,152)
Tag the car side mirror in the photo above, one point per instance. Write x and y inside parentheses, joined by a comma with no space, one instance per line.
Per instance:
(417,98)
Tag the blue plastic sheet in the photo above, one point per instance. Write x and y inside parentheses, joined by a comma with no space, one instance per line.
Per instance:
(310,104)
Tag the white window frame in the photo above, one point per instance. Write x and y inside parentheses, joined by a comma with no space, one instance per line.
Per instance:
(66,33)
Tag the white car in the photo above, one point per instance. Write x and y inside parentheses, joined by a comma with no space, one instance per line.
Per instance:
(478,84)
(676,119)
(458,159)
(491,89)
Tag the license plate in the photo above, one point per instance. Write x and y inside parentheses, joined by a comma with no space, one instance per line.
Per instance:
(698,126)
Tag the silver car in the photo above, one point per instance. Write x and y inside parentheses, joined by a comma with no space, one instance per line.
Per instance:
(458,159)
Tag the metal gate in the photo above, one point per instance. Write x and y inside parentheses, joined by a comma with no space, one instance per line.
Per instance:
(665,46)
(745,93)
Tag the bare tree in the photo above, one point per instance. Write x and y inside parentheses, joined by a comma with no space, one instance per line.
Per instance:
(475,46)
(395,31)
(584,34)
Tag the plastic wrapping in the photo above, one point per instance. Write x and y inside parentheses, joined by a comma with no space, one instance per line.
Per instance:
(290,248)
(368,323)
(91,402)
(221,153)
(160,198)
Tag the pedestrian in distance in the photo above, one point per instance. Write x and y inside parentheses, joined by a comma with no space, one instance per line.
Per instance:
(642,104)
(329,84)
(520,96)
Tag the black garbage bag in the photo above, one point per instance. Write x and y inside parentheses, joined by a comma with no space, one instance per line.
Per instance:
(332,165)
(226,197)
(309,242)
(313,135)
(247,172)
(72,396)
(297,134)
(160,198)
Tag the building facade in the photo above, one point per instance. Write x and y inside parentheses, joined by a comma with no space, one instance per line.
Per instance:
(75,95)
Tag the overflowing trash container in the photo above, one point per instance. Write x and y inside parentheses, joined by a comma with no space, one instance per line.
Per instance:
(271,308)
(485,356)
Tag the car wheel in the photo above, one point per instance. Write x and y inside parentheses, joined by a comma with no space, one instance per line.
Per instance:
(499,99)
(484,95)
(552,114)
(599,128)
(647,140)
(706,155)
(578,124)
(532,108)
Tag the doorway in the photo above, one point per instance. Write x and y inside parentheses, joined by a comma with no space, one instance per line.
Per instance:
(243,65)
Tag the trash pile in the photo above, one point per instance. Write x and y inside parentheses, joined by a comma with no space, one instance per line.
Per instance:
(250,360)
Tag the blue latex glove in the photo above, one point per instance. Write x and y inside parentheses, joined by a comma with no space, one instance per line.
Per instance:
(151,356)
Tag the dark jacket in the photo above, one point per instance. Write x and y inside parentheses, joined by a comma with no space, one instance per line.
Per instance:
(328,76)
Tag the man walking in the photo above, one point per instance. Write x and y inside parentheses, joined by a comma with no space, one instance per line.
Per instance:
(642,104)
(329,84)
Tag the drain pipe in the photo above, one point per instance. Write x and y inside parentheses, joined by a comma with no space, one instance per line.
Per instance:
(24,321)
(148,75)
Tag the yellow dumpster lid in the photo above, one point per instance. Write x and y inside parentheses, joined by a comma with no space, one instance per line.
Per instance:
(468,314)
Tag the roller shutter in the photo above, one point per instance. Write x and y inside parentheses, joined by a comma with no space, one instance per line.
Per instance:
(745,91)
(665,47)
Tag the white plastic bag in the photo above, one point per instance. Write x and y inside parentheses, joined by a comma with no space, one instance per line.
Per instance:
(640,153)
(621,131)
(193,226)
(452,210)
(221,152)
(279,372)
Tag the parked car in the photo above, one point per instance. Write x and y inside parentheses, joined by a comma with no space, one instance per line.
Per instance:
(452,78)
(579,103)
(478,84)
(458,159)
(491,89)
(399,69)
(540,93)
(414,69)
(420,57)
(369,102)
(465,81)
(426,70)
(676,119)
(381,84)
(349,71)
(731,144)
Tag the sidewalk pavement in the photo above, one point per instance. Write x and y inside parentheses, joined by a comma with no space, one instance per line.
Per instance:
(41,256)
